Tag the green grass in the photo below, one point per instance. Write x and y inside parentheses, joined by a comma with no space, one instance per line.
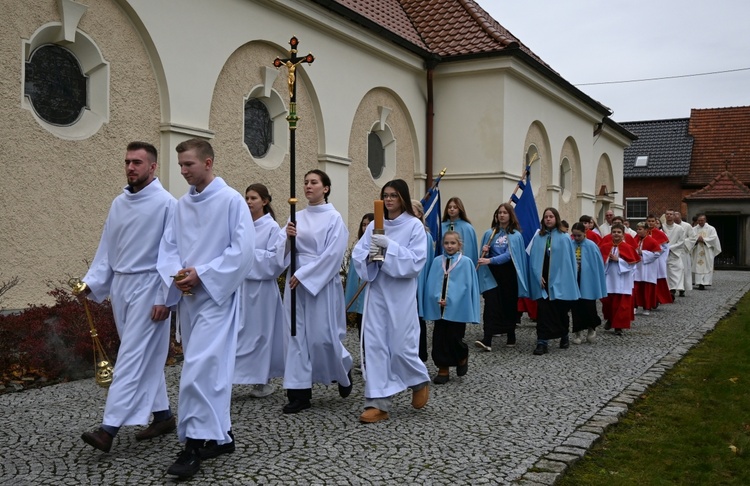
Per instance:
(691,428)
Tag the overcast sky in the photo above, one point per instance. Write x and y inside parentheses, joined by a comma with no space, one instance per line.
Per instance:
(589,41)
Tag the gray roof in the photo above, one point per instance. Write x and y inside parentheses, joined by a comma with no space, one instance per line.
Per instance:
(665,142)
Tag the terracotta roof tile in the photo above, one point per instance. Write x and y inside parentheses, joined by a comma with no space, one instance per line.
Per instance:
(665,142)
(721,139)
(448,28)
(724,186)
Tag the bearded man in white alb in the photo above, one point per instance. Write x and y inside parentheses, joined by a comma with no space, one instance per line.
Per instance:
(707,247)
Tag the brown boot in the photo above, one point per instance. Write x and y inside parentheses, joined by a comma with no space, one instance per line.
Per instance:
(419,397)
(99,439)
(157,428)
(372,415)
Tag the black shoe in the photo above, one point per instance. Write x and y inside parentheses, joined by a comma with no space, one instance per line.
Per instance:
(213,449)
(682,293)
(511,340)
(462,369)
(618,332)
(187,464)
(296,406)
(701,287)
(564,342)
(99,439)
(607,325)
(345,391)
(441,379)
(541,349)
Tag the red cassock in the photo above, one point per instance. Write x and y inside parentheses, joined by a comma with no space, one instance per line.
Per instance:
(618,308)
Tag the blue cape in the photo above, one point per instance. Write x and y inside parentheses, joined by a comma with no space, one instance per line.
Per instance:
(462,294)
(563,269)
(519,258)
(593,283)
(468,237)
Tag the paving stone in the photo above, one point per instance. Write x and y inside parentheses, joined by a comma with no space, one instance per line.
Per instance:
(510,415)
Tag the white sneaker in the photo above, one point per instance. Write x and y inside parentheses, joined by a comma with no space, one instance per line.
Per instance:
(260,391)
(636,311)
(646,313)
(576,339)
(591,336)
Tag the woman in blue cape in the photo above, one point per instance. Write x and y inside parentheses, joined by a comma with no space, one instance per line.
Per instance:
(503,276)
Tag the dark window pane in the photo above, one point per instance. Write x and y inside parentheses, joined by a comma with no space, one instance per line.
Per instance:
(56,85)
(375,155)
(636,208)
(258,128)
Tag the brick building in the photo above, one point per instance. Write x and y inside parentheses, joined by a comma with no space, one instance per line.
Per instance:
(699,164)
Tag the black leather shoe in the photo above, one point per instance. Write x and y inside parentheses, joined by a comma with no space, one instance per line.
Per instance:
(441,379)
(682,293)
(296,406)
(607,325)
(462,369)
(157,428)
(213,449)
(564,342)
(99,439)
(345,391)
(188,463)
(541,349)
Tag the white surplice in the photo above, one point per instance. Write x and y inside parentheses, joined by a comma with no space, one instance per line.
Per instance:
(390,324)
(316,354)
(212,231)
(687,259)
(124,268)
(261,342)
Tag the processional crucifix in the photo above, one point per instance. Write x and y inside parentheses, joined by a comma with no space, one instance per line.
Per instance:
(291,63)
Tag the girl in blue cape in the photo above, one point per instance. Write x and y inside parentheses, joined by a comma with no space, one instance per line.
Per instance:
(591,283)
(503,276)
(451,300)
(455,219)
(552,281)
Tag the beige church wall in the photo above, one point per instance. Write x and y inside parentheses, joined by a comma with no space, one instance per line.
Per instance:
(56,193)
(363,189)
(568,205)
(349,62)
(243,72)
(540,167)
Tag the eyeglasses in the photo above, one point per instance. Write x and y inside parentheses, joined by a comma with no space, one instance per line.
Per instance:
(390,195)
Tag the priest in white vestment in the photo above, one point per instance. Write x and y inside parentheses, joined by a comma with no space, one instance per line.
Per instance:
(687,260)
(707,247)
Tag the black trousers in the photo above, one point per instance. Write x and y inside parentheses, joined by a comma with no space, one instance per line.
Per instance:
(552,320)
(448,346)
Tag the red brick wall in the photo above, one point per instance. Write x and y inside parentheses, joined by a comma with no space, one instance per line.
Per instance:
(662,193)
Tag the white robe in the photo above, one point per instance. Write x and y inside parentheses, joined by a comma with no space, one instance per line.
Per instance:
(675,266)
(704,254)
(317,353)
(645,269)
(605,229)
(390,325)
(687,259)
(124,268)
(619,276)
(213,232)
(261,342)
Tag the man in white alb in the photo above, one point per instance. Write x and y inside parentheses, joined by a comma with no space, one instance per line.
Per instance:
(707,247)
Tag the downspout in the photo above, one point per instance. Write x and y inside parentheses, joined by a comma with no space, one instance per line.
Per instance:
(429,118)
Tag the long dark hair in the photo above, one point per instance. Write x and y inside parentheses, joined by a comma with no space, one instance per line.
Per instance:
(264,196)
(558,225)
(402,189)
(369,217)
(461,209)
(513,224)
(324,179)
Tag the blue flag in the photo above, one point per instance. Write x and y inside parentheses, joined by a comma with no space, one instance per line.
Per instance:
(525,207)
(431,204)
